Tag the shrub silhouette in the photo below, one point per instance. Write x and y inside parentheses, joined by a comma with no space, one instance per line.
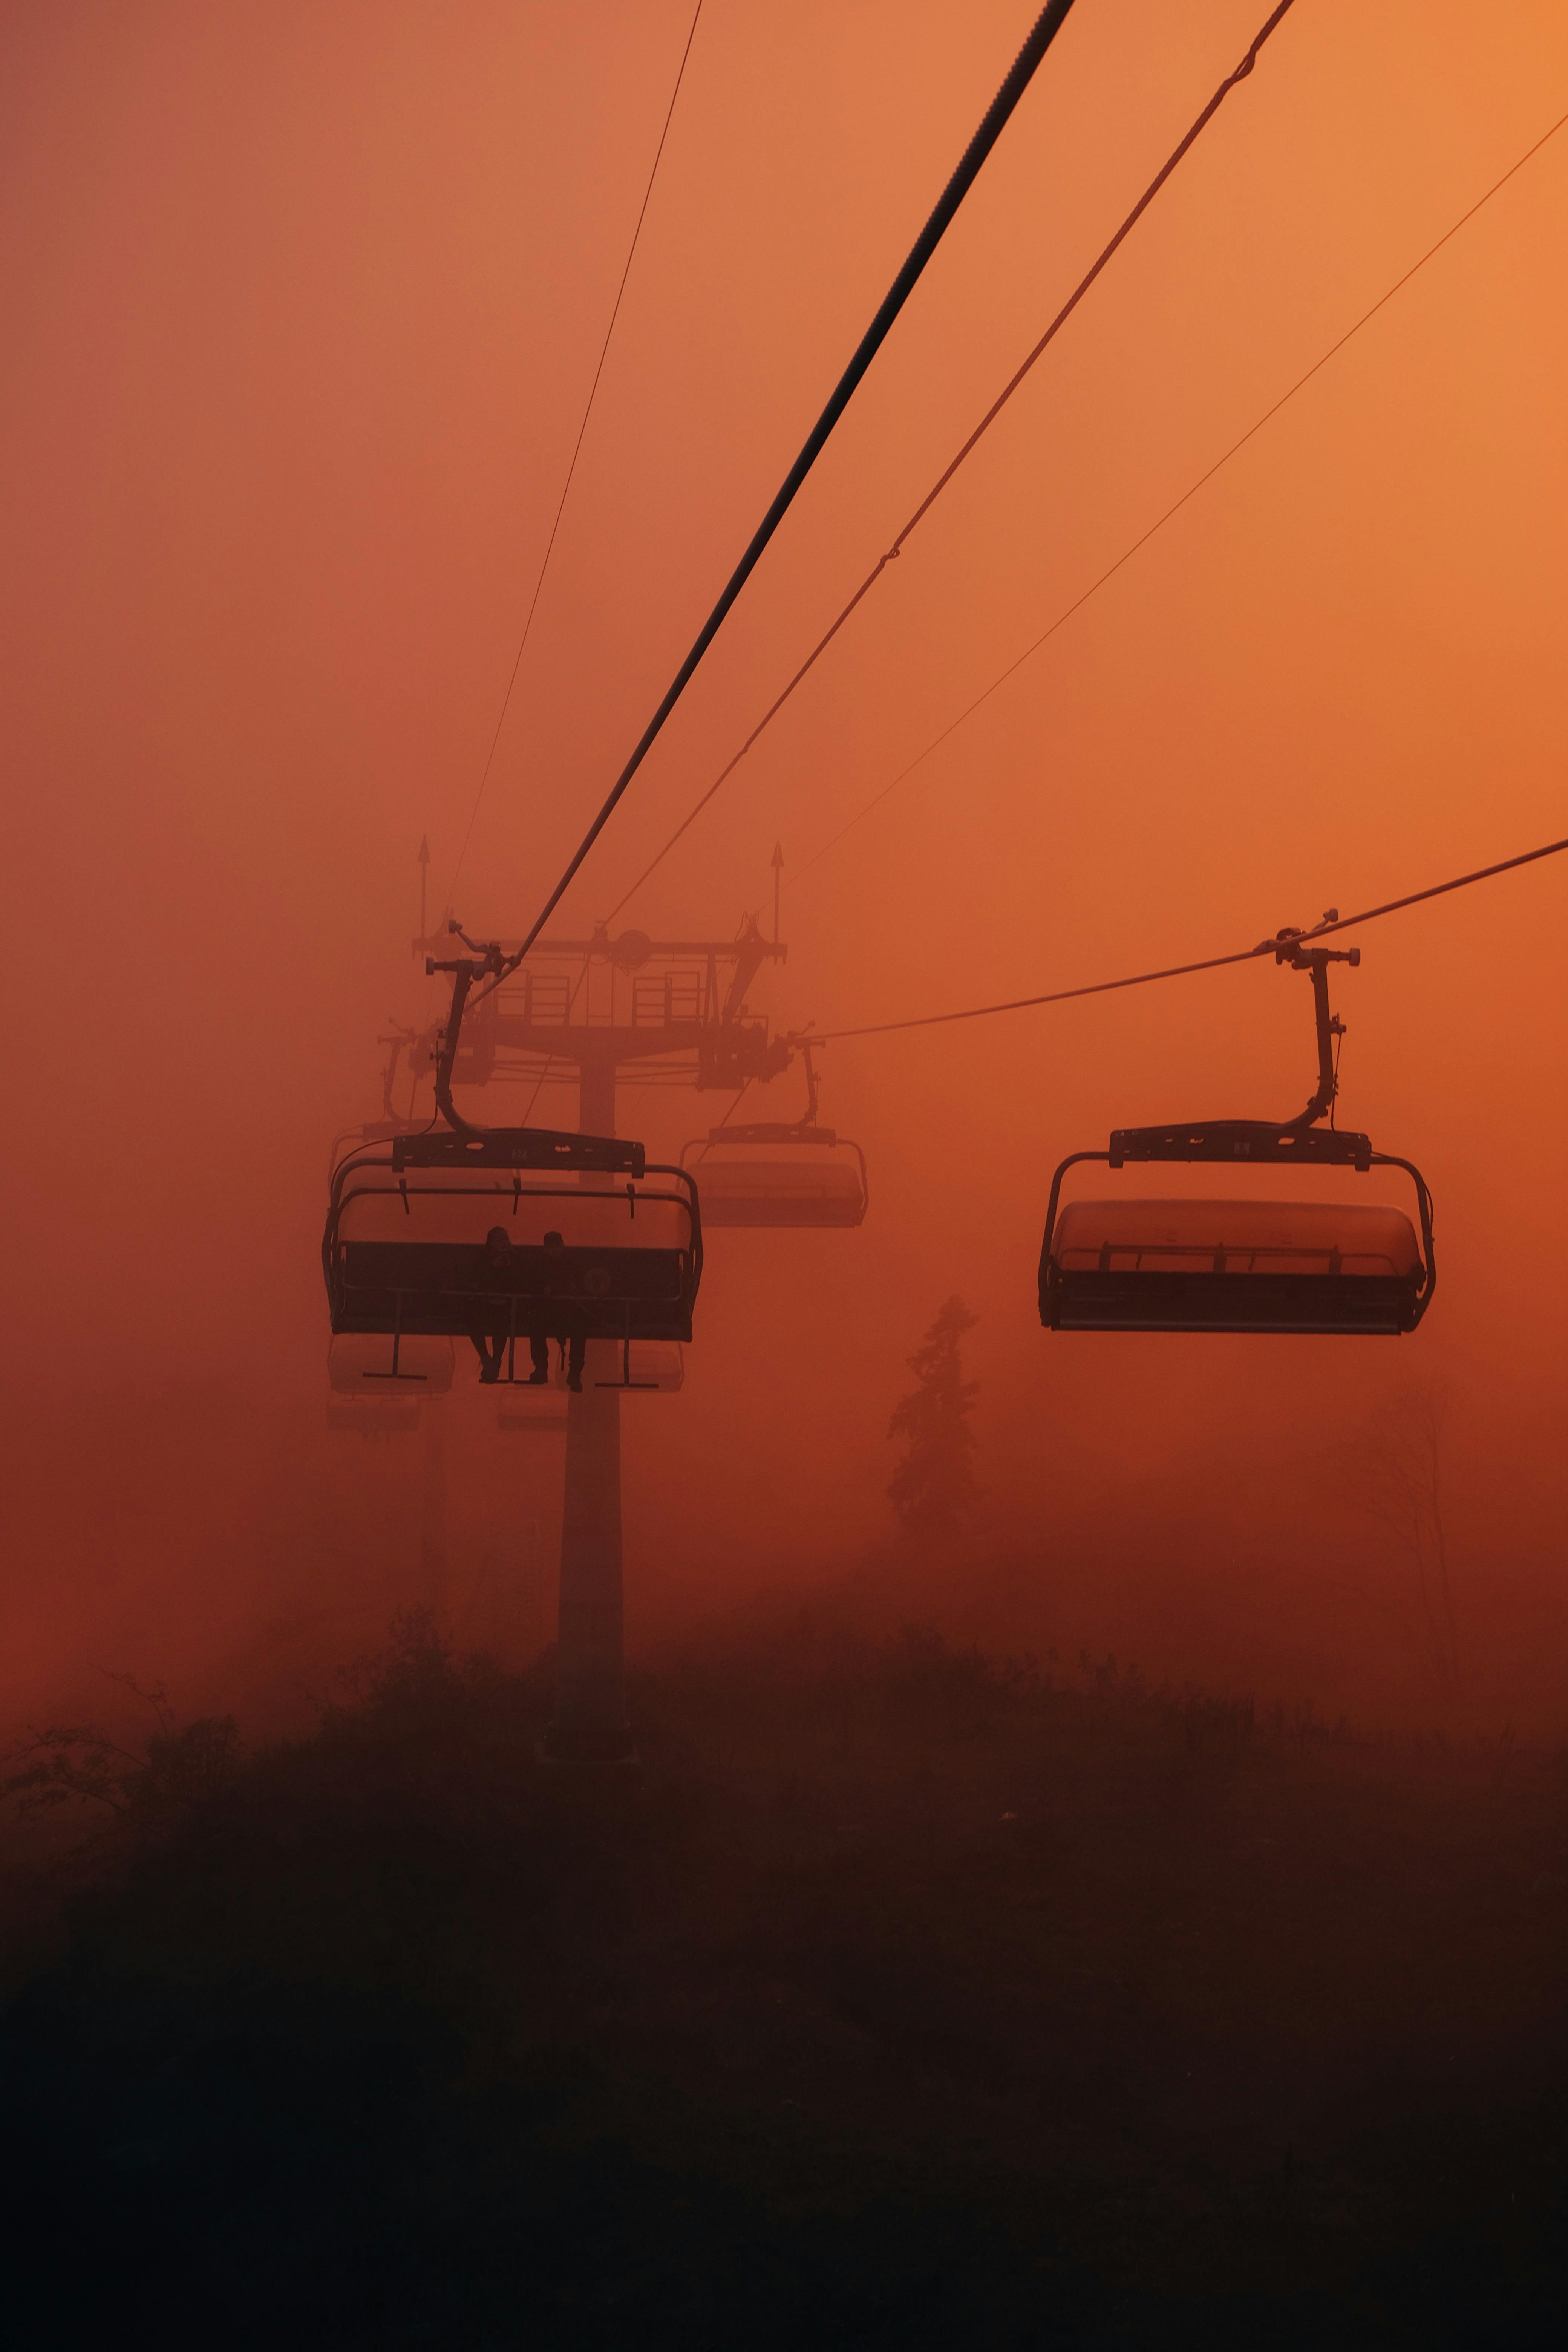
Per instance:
(906,1995)
(180,1766)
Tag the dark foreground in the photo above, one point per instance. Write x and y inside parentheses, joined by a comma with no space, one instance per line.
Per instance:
(898,2000)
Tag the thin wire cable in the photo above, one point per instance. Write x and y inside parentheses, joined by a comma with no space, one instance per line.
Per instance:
(992,414)
(1208,963)
(577,452)
(1142,541)
(1042,33)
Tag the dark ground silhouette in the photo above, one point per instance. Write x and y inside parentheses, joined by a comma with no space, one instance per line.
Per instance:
(900,1997)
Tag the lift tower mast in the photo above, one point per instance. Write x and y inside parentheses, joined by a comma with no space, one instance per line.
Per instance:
(602,1006)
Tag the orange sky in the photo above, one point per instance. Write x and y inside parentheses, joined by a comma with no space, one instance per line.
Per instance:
(300,307)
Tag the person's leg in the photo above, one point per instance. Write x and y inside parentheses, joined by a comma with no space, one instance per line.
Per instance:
(489,1357)
(539,1350)
(576,1358)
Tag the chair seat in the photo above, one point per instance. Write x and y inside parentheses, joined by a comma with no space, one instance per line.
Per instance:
(1085,1299)
(455,1288)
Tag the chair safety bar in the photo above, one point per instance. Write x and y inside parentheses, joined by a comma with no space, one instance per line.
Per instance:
(685,1200)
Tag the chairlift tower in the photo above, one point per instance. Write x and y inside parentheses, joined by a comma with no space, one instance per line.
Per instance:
(674,1011)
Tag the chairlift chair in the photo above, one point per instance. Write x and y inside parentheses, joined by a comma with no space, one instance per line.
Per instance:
(506,1233)
(781,1173)
(408,1251)
(1154,1265)
(523,1410)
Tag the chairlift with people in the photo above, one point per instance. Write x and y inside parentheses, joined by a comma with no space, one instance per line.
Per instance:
(500,1234)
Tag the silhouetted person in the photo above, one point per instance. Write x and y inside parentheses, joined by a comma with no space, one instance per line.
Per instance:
(499,1273)
(559,1283)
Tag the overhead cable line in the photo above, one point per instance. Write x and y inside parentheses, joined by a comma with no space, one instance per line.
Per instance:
(577,452)
(1046,27)
(992,414)
(1207,963)
(1187,495)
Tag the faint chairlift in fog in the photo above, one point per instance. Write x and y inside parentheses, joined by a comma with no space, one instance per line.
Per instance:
(364,1398)
(781,1173)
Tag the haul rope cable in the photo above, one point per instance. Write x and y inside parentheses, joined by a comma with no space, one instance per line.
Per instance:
(576,453)
(997,405)
(1207,963)
(1184,970)
(1142,541)
(1045,29)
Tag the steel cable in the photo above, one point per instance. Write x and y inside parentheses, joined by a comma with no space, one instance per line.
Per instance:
(1207,963)
(1046,27)
(576,453)
(1188,496)
(997,405)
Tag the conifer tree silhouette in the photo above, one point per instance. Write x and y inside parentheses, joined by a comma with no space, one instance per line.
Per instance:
(935,1480)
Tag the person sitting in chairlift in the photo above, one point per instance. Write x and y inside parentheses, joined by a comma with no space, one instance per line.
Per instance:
(559,1283)
(491,1345)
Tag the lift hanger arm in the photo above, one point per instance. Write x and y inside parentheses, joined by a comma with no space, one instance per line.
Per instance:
(806,1044)
(465,972)
(1288,949)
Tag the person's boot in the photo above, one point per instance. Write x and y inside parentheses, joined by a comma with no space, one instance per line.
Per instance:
(538,1377)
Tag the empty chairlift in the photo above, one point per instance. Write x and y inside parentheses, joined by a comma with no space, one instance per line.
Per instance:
(1143,1264)
(382,1130)
(524,1411)
(1231,1265)
(779,1174)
